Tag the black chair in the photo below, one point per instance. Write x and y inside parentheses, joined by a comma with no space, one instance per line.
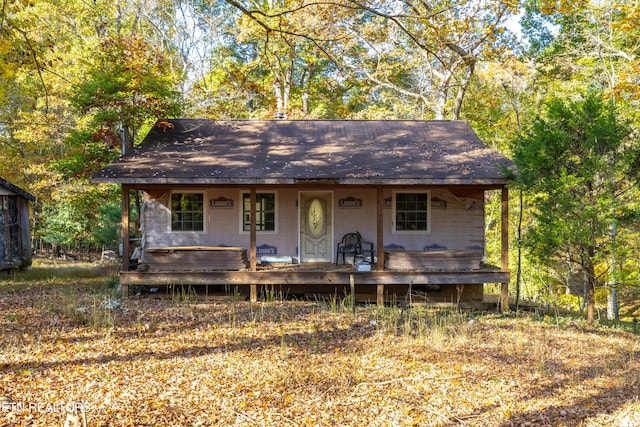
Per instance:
(366,248)
(350,244)
(353,244)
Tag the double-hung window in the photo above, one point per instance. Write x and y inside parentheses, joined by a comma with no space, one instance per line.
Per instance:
(187,212)
(265,212)
(411,212)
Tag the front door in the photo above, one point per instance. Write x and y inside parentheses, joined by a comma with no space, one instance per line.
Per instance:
(316,228)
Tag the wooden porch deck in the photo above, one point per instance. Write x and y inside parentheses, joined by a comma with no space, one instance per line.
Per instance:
(304,277)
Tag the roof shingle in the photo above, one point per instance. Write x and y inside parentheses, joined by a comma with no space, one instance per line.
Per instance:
(195,151)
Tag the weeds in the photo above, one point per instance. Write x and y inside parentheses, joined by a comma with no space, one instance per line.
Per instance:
(334,303)
(302,357)
(181,293)
(440,327)
(59,286)
(73,295)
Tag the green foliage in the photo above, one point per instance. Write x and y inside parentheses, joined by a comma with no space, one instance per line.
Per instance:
(566,158)
(105,231)
(83,215)
(129,84)
(574,161)
(84,160)
(63,225)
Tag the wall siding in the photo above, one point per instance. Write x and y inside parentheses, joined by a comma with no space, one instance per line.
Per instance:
(459,226)
(15,240)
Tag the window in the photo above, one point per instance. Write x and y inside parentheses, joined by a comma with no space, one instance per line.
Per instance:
(265,212)
(187,212)
(411,212)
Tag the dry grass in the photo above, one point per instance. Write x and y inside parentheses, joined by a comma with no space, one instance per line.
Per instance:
(187,363)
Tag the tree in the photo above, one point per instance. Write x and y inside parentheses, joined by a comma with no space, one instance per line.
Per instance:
(446,39)
(584,45)
(500,103)
(426,53)
(258,67)
(129,84)
(578,162)
(81,215)
(111,58)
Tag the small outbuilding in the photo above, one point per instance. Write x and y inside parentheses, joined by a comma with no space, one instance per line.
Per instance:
(387,205)
(15,235)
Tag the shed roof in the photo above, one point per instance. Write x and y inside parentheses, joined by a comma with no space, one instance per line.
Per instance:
(16,190)
(350,152)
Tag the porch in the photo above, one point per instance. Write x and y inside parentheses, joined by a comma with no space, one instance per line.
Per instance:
(317,279)
(292,188)
(442,276)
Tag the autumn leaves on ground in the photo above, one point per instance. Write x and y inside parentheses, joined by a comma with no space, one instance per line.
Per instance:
(181,362)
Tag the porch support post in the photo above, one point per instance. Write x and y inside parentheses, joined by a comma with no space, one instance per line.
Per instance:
(26,253)
(253,288)
(504,256)
(380,240)
(124,232)
(7,229)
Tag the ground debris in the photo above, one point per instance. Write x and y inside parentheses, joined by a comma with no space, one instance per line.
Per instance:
(193,363)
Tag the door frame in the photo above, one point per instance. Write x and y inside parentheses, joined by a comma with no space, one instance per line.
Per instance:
(331,214)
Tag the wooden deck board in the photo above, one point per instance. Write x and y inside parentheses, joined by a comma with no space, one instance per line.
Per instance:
(312,277)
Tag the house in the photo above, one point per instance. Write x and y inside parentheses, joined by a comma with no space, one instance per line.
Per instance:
(254,203)
(15,237)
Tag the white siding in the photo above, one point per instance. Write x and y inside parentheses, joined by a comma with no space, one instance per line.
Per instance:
(458,226)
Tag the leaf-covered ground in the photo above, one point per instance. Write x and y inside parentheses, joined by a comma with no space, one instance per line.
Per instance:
(176,362)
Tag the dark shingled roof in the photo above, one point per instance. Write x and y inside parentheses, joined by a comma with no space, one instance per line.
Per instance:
(191,151)
(17,190)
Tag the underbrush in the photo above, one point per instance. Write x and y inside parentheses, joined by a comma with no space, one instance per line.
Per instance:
(181,360)
(46,272)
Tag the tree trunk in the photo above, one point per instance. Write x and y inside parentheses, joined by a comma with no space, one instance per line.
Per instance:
(612,297)
(519,240)
(127,138)
(612,304)
(591,285)
(462,89)
(287,89)
(279,97)
(440,103)
(591,302)
(442,95)
(305,101)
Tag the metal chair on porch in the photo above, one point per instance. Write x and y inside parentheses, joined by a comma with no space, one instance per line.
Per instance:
(366,248)
(350,244)
(353,244)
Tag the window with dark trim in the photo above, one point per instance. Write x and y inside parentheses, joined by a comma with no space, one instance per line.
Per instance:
(411,212)
(187,212)
(265,212)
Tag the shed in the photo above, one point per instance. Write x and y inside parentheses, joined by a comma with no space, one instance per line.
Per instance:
(225,200)
(15,237)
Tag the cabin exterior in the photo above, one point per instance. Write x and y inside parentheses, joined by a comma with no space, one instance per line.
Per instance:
(15,235)
(254,203)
